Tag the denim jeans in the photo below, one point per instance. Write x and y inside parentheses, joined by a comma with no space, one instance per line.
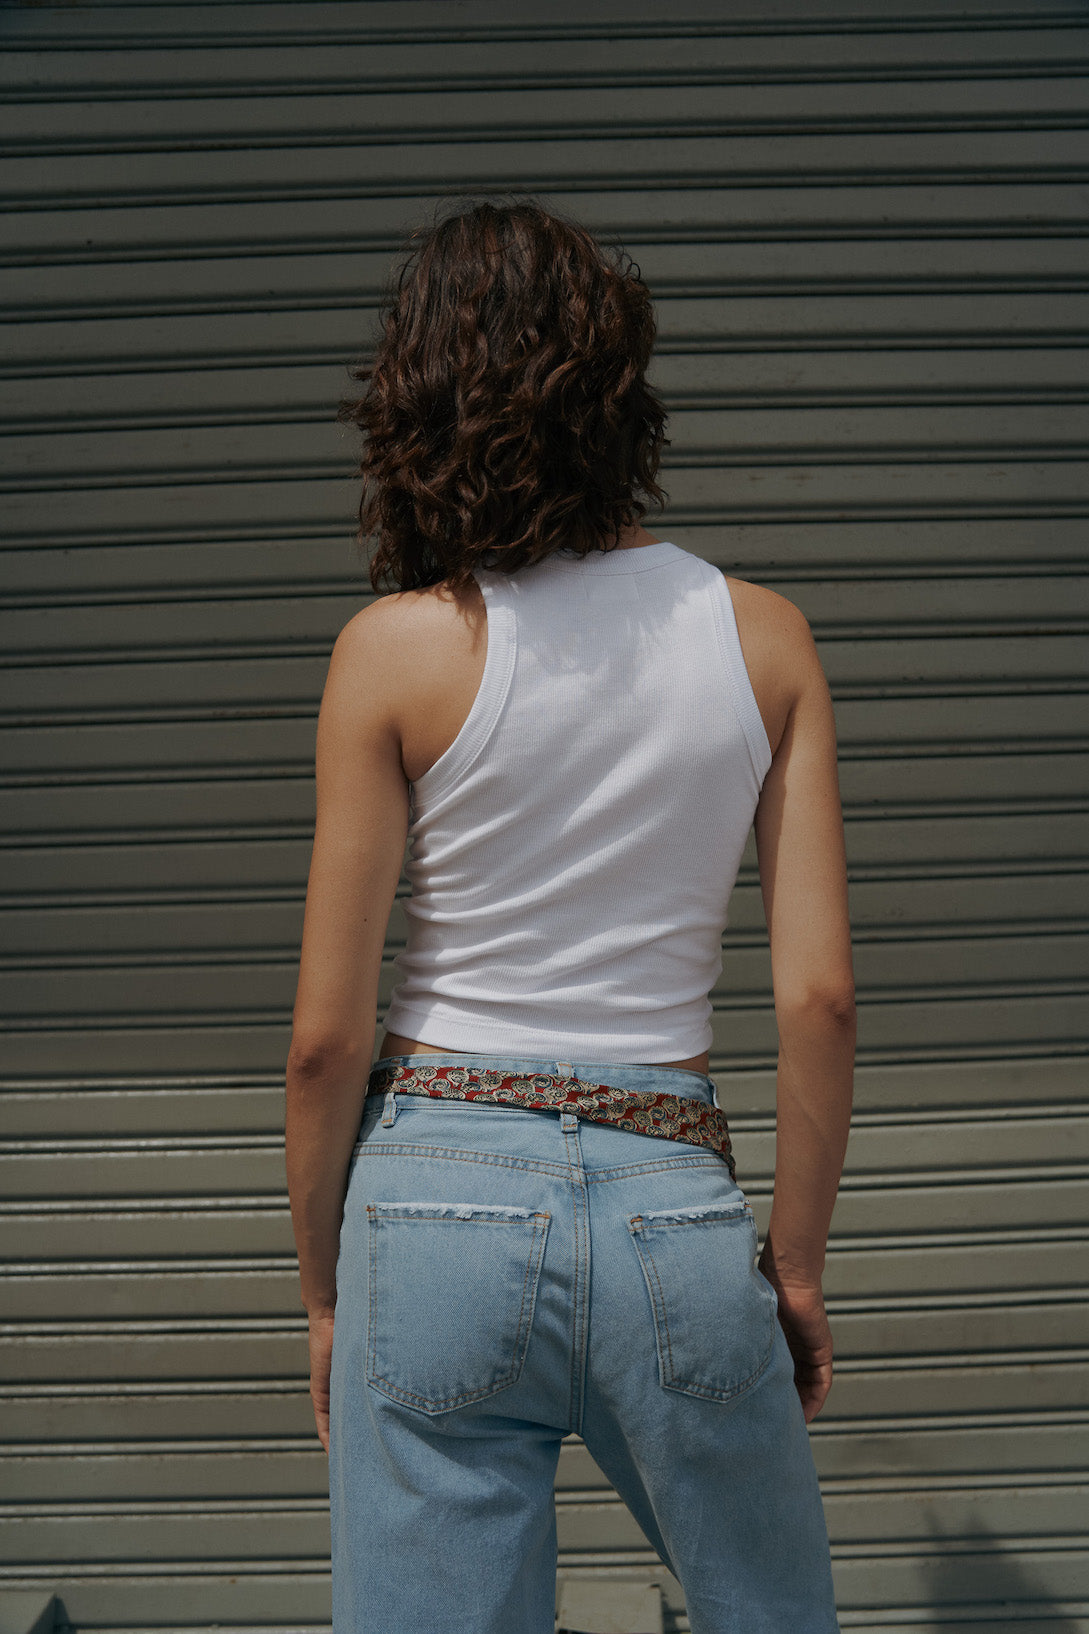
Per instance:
(507,1277)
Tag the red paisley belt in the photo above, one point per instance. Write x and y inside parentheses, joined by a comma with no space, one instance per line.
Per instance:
(642,1111)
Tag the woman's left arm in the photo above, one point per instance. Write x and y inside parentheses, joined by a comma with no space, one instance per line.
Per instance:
(359,841)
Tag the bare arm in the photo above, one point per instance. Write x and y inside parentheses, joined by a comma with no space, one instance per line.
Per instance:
(803,876)
(359,838)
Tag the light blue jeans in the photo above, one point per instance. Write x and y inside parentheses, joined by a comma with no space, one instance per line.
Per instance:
(507,1277)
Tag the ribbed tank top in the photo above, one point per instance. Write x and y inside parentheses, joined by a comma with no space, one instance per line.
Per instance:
(572,854)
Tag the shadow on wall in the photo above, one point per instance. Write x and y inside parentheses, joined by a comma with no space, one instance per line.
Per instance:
(974,1569)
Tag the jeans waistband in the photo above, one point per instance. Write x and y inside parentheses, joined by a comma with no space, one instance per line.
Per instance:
(644,1100)
(662,1080)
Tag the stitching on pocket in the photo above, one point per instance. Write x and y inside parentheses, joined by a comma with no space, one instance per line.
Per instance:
(657,1300)
(461,1214)
(639,1226)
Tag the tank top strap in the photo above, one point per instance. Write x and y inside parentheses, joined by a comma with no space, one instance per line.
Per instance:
(495,683)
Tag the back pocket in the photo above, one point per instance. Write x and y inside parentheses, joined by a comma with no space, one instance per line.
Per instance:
(452,1291)
(714,1313)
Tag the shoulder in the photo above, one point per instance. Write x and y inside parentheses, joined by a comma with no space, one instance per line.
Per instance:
(770,614)
(769,624)
(404,614)
(391,630)
(406,670)
(779,651)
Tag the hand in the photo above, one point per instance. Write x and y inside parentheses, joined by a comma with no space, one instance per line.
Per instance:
(321,1358)
(804,1322)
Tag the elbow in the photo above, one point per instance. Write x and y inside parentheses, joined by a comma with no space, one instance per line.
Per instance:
(318,1057)
(830,1001)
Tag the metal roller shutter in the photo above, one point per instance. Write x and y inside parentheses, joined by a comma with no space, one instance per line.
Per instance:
(865,233)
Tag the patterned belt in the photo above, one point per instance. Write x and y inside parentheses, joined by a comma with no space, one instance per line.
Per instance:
(643,1111)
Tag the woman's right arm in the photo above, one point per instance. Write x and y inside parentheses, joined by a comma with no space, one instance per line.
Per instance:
(359,841)
(803,878)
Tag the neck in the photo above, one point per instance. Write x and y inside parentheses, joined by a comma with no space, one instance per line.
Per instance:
(631,538)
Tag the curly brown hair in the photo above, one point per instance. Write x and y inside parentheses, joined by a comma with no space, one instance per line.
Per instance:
(506,415)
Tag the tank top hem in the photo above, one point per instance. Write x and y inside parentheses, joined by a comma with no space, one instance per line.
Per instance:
(443,1029)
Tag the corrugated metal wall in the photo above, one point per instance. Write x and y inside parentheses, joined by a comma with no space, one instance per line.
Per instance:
(865,229)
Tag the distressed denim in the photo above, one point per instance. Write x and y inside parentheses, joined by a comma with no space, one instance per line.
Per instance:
(507,1277)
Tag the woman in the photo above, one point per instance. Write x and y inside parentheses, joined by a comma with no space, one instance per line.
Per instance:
(530,1225)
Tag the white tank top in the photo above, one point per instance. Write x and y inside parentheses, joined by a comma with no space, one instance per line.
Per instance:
(573,852)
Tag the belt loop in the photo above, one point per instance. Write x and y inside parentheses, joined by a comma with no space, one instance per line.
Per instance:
(389,1112)
(568,1121)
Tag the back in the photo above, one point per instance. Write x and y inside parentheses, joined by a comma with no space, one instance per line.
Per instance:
(573,852)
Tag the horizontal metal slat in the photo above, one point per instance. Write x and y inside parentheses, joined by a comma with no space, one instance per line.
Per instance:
(182,868)
(218,117)
(887,827)
(297,1535)
(963,964)
(773,378)
(449,160)
(886,487)
(720,53)
(334,21)
(155,1295)
(132,1353)
(1040,1382)
(900,1518)
(271,1416)
(308,625)
(150,1106)
(779,432)
(259,1045)
(303,330)
(143,570)
(908,267)
(161,1595)
(166,1230)
(802,210)
(833,1442)
(963,1578)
